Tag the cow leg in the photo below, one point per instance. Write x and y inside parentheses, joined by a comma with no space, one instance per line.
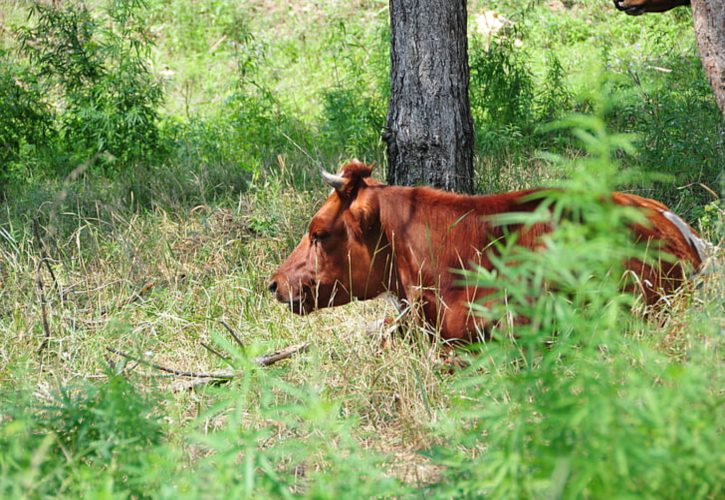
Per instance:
(456,320)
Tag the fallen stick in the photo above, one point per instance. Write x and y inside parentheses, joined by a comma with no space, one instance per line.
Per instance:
(233,334)
(266,360)
(287,352)
(221,376)
(214,352)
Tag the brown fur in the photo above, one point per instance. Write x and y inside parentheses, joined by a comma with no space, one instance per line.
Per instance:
(369,238)
(637,7)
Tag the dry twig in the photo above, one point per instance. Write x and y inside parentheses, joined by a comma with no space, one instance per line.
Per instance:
(214,351)
(203,378)
(45,258)
(287,352)
(233,334)
(223,375)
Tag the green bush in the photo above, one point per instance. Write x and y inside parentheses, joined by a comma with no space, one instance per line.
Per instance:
(305,447)
(26,119)
(577,401)
(353,120)
(501,85)
(92,438)
(97,66)
(354,109)
(581,401)
(677,123)
(553,97)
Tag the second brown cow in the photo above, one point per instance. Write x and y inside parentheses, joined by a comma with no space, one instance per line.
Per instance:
(637,7)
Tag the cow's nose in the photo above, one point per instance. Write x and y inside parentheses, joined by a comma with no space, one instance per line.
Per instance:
(272,286)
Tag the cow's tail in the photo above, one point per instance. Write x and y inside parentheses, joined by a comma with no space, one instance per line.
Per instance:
(703,247)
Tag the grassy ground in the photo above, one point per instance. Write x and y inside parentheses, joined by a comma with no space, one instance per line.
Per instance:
(150,261)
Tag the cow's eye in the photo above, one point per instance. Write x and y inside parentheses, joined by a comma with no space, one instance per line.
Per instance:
(318,236)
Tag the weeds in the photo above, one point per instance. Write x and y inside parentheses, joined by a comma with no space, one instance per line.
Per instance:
(577,401)
(25,122)
(98,68)
(213,177)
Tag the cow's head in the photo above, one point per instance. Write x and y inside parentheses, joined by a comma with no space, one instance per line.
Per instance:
(344,253)
(637,7)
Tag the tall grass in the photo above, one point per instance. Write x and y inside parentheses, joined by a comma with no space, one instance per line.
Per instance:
(148,254)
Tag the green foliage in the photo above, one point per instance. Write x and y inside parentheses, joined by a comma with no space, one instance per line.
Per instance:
(24,457)
(508,101)
(255,124)
(302,430)
(98,66)
(353,120)
(574,402)
(660,110)
(92,438)
(710,222)
(252,114)
(218,180)
(554,96)
(26,119)
(107,439)
(354,110)
(100,422)
(501,86)
(563,50)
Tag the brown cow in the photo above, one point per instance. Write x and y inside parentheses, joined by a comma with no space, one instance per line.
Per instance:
(369,238)
(638,7)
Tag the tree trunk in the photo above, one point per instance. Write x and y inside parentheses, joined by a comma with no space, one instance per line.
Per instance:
(709,18)
(429,127)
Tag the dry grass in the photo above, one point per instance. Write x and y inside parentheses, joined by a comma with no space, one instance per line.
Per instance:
(157,284)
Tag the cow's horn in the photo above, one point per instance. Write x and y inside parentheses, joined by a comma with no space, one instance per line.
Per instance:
(336,181)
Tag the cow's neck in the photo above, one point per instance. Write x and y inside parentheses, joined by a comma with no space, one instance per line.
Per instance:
(430,233)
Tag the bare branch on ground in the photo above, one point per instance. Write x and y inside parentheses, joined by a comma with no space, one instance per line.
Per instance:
(213,378)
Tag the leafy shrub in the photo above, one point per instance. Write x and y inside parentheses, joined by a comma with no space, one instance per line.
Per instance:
(103,437)
(501,83)
(354,109)
(282,440)
(577,401)
(98,68)
(26,119)
(553,97)
(249,128)
(24,452)
(256,124)
(352,120)
(107,426)
(678,125)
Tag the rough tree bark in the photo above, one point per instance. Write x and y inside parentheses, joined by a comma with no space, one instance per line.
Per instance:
(709,18)
(429,127)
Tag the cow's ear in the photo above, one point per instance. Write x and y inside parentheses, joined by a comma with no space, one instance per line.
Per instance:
(349,179)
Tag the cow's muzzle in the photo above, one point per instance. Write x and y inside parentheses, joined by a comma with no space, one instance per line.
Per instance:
(297,303)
